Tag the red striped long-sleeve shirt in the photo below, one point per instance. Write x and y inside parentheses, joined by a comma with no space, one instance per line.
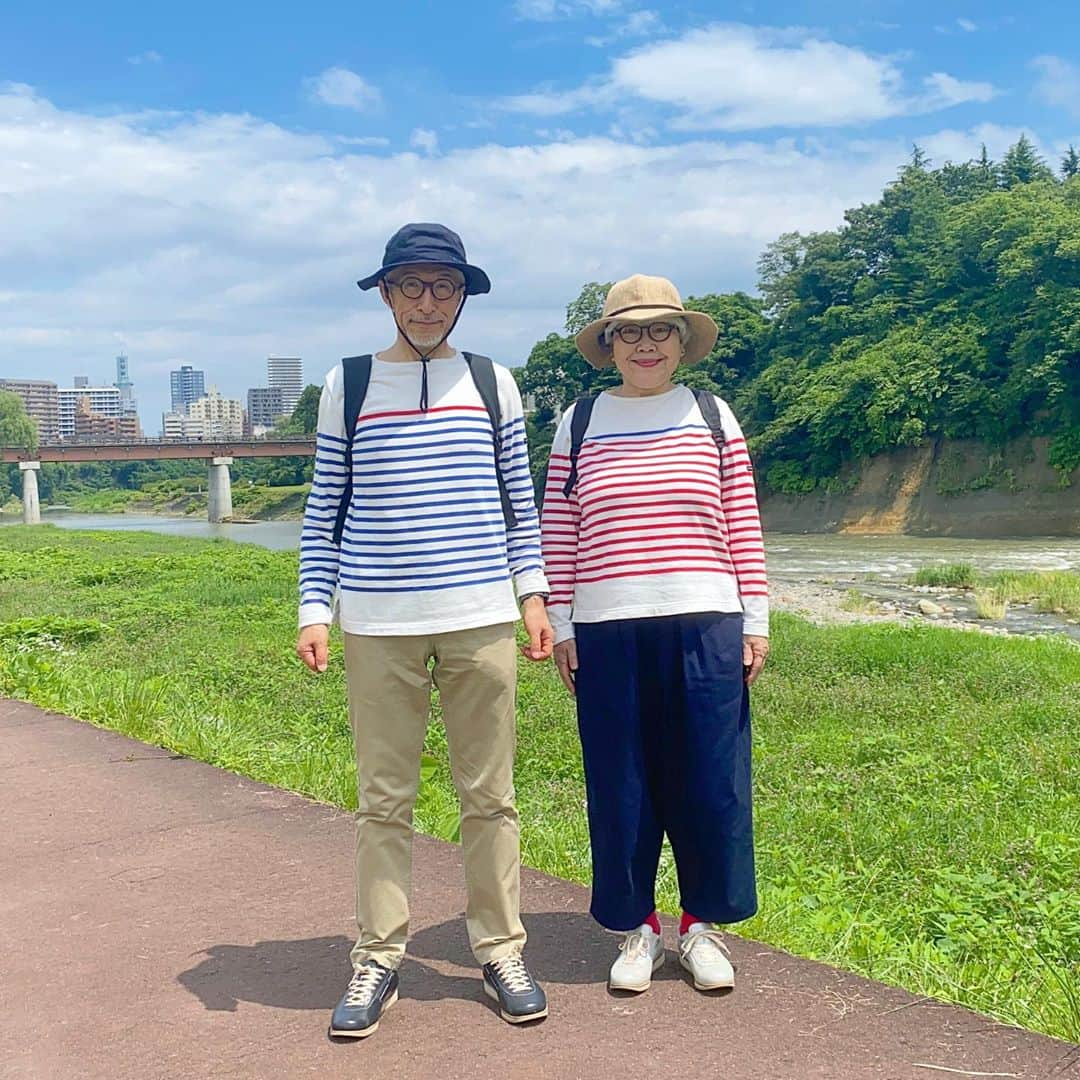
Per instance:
(654,526)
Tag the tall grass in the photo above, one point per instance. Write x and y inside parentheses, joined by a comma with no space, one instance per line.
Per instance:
(917,788)
(1047,590)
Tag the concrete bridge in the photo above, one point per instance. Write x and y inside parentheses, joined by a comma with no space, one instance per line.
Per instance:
(219,454)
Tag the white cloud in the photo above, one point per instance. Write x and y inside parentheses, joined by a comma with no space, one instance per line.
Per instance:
(967,25)
(340,86)
(639,23)
(550,10)
(739,78)
(221,239)
(943,90)
(1058,82)
(425,140)
(148,57)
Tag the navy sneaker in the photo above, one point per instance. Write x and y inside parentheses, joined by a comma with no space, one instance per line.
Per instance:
(372,990)
(519,995)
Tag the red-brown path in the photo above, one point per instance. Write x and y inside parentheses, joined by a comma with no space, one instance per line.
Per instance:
(163,918)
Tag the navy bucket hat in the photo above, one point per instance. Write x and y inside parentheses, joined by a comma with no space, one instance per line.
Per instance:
(431,244)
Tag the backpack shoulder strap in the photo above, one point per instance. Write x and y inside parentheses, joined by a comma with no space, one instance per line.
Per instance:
(357,376)
(579,425)
(711,415)
(483,376)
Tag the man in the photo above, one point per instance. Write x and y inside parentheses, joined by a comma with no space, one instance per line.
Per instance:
(422,538)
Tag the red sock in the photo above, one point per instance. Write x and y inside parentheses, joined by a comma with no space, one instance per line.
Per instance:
(653,921)
(686,921)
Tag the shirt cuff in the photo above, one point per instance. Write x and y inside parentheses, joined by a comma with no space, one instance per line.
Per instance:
(559,616)
(531,581)
(756,616)
(312,614)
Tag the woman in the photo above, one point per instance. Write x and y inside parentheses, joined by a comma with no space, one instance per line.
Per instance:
(654,555)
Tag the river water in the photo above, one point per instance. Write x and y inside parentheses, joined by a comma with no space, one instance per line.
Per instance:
(878,565)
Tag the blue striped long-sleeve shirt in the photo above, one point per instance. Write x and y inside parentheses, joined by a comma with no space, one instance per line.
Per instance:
(425,547)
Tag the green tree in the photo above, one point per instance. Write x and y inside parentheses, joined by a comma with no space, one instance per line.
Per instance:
(305,416)
(1022,165)
(16,428)
(1070,163)
(588,306)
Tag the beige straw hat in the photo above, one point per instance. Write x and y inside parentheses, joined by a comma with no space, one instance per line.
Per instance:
(645,299)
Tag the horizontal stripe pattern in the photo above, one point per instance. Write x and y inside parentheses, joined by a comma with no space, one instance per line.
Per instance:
(424,535)
(654,525)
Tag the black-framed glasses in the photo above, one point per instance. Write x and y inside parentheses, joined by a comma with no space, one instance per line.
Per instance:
(413,287)
(631,333)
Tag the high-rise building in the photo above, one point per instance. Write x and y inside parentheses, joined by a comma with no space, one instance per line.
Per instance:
(286,373)
(93,425)
(187,385)
(125,386)
(42,404)
(222,418)
(264,409)
(101,400)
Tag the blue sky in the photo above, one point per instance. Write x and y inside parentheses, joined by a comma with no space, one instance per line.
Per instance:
(203,183)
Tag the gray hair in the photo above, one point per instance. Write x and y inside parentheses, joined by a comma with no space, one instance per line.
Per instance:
(682,327)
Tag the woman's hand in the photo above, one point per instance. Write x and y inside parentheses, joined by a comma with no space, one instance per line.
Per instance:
(754,651)
(566,662)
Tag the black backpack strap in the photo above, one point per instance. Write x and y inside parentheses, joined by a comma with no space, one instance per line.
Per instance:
(357,371)
(579,424)
(711,414)
(483,376)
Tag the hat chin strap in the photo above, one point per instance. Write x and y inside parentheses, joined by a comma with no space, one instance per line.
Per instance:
(423,356)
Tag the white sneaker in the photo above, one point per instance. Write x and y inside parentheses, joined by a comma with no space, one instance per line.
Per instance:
(640,954)
(703,953)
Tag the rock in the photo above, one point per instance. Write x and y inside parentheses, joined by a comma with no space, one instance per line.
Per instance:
(928,607)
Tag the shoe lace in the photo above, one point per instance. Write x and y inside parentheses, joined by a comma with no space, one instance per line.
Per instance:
(709,942)
(513,973)
(635,946)
(362,986)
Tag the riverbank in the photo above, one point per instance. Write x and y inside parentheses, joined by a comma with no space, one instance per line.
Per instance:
(918,794)
(942,488)
(254,502)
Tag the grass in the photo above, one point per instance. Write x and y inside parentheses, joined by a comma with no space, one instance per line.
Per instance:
(950,576)
(1055,591)
(917,788)
(990,604)
(188,496)
(859,604)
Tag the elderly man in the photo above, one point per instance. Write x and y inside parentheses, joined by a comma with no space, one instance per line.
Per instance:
(421,526)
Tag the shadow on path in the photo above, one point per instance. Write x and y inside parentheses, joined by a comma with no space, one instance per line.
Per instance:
(564,948)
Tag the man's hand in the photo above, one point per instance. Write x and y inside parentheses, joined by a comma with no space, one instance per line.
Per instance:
(537,626)
(313,646)
(566,662)
(754,651)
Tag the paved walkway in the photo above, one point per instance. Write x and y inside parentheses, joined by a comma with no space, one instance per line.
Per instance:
(162,918)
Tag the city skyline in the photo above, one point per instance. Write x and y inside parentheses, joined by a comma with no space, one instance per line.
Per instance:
(114,399)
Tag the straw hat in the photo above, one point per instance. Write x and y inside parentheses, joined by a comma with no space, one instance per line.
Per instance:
(644,299)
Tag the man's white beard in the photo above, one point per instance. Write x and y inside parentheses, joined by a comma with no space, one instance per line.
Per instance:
(426,340)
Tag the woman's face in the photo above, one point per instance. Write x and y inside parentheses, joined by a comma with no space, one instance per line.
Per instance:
(647,365)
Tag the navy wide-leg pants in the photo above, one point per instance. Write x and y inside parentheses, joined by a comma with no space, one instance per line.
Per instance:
(664,717)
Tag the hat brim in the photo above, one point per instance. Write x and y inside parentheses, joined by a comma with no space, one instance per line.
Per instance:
(699,343)
(476,281)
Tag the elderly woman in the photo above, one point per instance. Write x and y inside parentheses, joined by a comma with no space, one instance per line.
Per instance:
(654,554)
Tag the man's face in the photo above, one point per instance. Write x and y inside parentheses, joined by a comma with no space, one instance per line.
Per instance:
(424,300)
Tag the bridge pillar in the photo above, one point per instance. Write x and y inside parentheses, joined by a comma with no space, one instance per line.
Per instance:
(219,490)
(31,505)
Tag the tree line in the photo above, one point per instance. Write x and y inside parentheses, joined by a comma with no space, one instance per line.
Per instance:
(948,308)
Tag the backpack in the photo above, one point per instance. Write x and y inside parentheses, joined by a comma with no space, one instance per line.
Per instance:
(579,425)
(357,377)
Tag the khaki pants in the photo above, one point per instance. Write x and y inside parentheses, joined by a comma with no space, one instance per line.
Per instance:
(389,707)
